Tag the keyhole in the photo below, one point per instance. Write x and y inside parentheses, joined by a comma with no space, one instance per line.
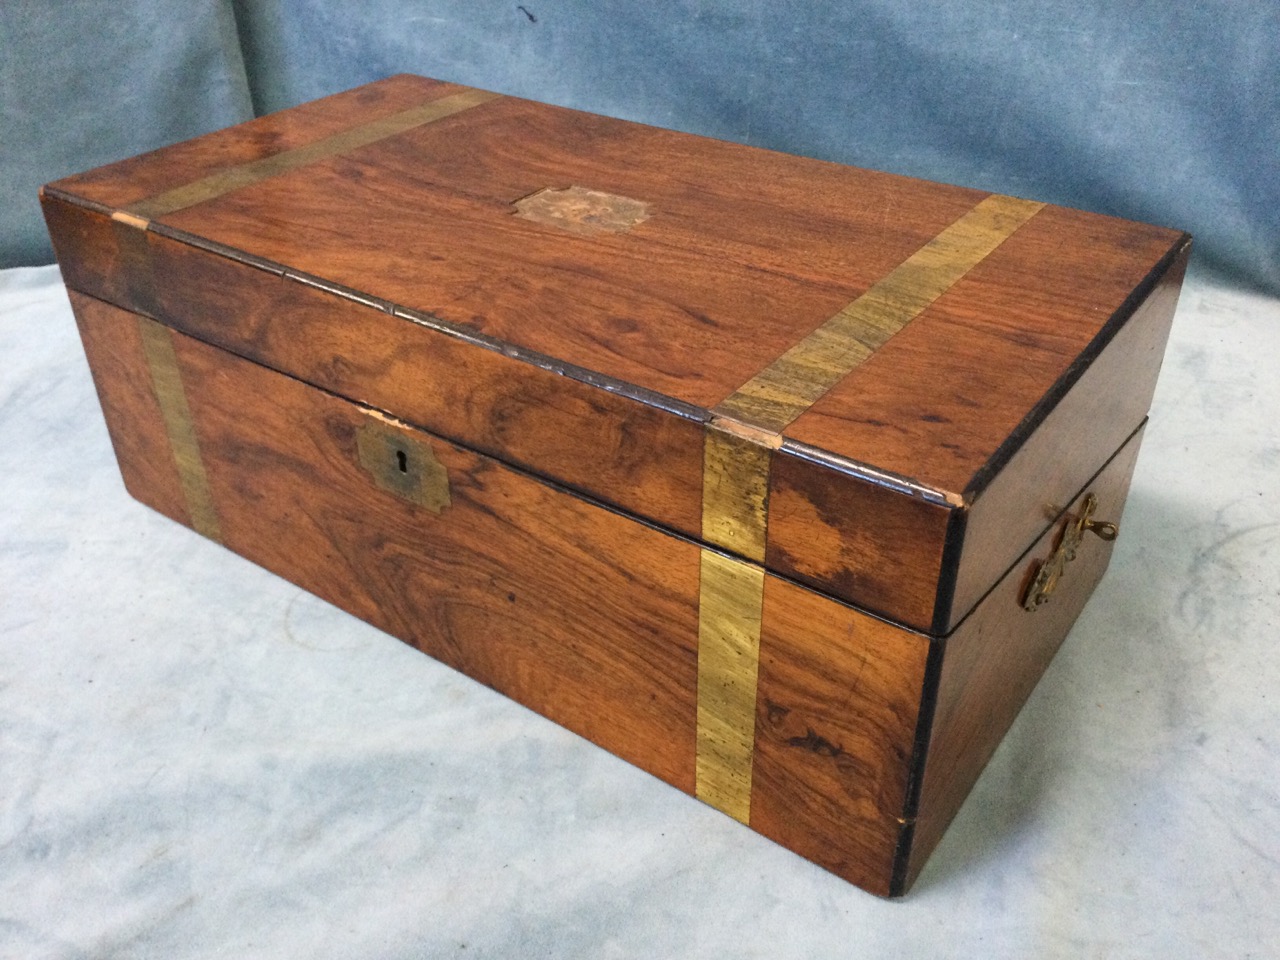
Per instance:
(402,460)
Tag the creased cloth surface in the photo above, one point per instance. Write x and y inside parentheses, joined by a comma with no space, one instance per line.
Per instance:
(199,760)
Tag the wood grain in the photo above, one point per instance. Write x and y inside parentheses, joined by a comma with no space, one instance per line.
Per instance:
(784,390)
(569,608)
(126,182)
(857,540)
(612,350)
(573,610)
(638,457)
(994,659)
(836,715)
(1112,394)
(591,618)
(939,399)
(239,176)
(113,345)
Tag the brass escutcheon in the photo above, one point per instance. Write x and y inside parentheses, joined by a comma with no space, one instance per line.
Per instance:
(1050,571)
(402,464)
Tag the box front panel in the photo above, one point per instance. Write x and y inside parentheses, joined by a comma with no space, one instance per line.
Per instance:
(576,611)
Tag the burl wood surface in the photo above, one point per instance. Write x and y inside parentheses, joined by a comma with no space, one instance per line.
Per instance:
(744,253)
(993,660)
(574,610)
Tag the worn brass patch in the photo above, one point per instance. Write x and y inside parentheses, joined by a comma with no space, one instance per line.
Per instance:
(789,386)
(582,211)
(401,463)
(730,602)
(166,383)
(245,174)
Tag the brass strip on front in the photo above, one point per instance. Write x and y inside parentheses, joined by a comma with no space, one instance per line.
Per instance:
(244,174)
(738,447)
(166,382)
(789,386)
(730,601)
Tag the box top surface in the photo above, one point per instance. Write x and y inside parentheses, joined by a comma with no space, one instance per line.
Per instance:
(890,325)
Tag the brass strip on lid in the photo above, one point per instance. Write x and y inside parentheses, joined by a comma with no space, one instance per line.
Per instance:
(166,382)
(789,386)
(245,174)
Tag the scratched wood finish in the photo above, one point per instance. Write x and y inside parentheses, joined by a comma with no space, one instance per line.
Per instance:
(993,660)
(745,254)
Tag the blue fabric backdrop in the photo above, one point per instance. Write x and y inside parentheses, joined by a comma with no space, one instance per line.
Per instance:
(1161,111)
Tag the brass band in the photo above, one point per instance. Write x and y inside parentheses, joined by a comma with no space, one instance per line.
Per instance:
(789,386)
(730,602)
(166,382)
(245,174)
(738,449)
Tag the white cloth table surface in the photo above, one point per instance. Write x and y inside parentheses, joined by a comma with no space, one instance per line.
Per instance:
(198,759)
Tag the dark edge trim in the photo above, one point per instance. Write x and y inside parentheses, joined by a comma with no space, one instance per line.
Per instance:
(51,192)
(915,772)
(862,471)
(953,546)
(1022,432)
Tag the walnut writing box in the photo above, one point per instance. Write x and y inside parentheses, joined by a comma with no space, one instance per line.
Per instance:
(780,479)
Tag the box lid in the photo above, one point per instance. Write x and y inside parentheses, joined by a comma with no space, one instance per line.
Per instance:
(879,386)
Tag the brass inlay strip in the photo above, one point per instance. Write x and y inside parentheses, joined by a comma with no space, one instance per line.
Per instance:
(738,448)
(730,601)
(735,490)
(166,381)
(789,386)
(245,174)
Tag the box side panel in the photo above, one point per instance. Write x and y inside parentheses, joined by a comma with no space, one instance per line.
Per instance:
(994,659)
(1092,419)
(129,405)
(839,696)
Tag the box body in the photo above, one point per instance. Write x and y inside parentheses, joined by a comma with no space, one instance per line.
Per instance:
(708,459)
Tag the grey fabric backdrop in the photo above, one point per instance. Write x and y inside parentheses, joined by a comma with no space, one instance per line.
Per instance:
(1163,111)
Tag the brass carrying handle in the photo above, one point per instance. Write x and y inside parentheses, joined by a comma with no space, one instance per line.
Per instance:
(1050,571)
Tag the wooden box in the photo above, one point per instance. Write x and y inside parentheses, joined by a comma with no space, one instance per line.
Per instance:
(781,480)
